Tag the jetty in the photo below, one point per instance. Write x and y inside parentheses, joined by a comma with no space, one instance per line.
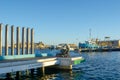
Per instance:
(24,58)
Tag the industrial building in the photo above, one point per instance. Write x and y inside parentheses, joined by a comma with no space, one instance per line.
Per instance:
(109,43)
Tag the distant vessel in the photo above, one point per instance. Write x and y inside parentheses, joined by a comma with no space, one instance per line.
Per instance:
(88,44)
(91,44)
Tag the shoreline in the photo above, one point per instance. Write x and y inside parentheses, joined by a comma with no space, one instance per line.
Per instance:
(99,50)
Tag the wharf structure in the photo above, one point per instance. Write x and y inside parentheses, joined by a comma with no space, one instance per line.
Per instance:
(17,61)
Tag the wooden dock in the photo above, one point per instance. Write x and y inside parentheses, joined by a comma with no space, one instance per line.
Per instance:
(16,61)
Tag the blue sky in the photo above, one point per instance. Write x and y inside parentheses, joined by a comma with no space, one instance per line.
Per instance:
(64,21)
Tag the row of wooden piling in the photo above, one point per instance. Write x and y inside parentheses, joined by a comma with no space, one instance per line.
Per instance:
(28,41)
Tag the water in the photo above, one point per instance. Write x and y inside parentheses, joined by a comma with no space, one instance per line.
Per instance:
(98,66)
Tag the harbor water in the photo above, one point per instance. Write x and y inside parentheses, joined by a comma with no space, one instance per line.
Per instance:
(97,66)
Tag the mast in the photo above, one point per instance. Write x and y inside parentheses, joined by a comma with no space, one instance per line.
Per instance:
(90,34)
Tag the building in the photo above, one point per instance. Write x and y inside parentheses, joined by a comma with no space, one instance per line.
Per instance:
(73,46)
(109,43)
(39,45)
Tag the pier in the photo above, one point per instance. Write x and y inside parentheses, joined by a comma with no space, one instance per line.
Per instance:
(26,59)
(13,65)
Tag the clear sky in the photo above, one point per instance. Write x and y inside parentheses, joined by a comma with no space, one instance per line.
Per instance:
(64,21)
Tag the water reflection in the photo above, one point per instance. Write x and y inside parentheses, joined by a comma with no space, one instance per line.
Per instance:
(51,75)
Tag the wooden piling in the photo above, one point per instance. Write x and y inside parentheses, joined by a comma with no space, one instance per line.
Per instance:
(43,70)
(32,41)
(23,40)
(9,76)
(18,40)
(28,40)
(18,75)
(27,72)
(6,40)
(32,72)
(12,40)
(0,39)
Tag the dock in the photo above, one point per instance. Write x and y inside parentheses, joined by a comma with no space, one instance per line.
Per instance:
(13,65)
(26,59)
